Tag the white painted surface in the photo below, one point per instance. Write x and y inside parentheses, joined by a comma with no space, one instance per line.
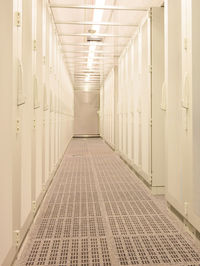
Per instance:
(6,85)
(86,118)
(108,108)
(182,127)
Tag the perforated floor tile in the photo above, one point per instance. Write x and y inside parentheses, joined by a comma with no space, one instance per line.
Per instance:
(97,212)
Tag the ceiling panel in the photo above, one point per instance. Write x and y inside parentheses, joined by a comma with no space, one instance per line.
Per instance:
(139,3)
(120,23)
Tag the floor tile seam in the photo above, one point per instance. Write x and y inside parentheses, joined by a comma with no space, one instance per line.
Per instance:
(159,204)
(96,236)
(125,251)
(110,238)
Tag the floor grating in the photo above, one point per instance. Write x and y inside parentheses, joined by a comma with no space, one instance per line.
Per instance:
(97,212)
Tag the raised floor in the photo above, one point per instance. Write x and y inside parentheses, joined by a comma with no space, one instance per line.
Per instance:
(97,212)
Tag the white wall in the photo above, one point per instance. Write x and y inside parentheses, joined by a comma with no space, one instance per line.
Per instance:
(36,115)
(86,108)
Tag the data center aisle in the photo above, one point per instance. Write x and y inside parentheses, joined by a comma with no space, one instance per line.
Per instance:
(97,212)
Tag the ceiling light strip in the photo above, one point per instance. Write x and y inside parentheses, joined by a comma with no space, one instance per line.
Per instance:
(97,17)
(82,23)
(114,8)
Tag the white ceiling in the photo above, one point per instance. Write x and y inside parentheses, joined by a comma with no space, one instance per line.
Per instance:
(76,48)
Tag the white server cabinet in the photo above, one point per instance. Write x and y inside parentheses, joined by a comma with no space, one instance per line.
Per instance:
(32,66)
(101,113)
(158,115)
(141,119)
(109,108)
(182,108)
(6,132)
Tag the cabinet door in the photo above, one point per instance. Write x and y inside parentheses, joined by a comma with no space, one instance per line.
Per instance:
(145,96)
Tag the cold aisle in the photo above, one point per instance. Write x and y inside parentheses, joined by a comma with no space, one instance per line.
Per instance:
(125,71)
(97,212)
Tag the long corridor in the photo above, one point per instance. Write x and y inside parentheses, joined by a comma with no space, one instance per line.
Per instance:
(97,212)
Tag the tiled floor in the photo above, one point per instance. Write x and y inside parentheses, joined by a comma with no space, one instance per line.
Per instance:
(97,212)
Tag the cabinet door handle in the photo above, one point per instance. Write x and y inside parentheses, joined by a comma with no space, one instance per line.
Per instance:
(35,93)
(163,104)
(185,92)
(20,87)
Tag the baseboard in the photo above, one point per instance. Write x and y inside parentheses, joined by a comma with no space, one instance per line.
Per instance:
(110,145)
(136,169)
(191,220)
(160,190)
(146,178)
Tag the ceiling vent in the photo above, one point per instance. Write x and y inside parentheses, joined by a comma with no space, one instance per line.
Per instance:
(94,39)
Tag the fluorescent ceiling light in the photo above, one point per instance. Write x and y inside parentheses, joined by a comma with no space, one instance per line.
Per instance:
(89,64)
(98,14)
(97,18)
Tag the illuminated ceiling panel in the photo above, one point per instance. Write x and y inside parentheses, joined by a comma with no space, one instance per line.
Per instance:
(112,23)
